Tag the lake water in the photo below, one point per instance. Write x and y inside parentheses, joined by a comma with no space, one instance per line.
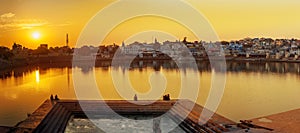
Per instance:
(252,89)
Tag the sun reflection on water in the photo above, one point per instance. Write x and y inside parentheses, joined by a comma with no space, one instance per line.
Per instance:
(37,76)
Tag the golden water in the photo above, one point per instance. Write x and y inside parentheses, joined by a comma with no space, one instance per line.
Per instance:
(252,90)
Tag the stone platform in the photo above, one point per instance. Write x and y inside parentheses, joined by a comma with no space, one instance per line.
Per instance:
(53,116)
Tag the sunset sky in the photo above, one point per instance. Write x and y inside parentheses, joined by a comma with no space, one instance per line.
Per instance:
(32,22)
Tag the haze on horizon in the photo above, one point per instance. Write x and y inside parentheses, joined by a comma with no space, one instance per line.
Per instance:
(33,22)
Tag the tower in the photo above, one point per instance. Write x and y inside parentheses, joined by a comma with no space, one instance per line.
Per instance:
(123,44)
(155,41)
(67,40)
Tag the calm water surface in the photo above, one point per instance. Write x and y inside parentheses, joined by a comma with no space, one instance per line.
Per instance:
(252,90)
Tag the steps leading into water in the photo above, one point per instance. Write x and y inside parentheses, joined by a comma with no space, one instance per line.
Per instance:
(53,116)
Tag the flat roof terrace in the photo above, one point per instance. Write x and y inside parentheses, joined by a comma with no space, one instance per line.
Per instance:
(53,116)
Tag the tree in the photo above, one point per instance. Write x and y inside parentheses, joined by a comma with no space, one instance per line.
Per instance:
(5,53)
(224,43)
(41,51)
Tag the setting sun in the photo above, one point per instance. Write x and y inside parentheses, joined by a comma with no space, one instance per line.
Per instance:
(36,35)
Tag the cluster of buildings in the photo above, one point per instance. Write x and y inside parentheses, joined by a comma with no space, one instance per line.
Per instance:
(248,48)
(43,50)
(263,48)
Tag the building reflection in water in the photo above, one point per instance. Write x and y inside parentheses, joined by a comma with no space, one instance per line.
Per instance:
(274,67)
(68,77)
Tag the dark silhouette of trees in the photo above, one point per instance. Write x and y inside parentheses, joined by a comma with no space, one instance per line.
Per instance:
(5,53)
(41,51)
(224,43)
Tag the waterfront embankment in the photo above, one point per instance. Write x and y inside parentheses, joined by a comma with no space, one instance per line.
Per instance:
(67,60)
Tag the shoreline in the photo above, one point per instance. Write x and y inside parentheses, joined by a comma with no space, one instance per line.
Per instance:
(36,61)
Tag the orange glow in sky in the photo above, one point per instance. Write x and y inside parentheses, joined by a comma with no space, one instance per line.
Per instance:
(231,19)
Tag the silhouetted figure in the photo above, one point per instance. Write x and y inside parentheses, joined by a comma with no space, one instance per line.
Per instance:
(56,97)
(51,97)
(184,40)
(166,97)
(135,98)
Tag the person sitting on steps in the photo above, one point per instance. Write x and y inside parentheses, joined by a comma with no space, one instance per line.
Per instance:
(56,97)
(51,97)
(166,97)
(135,98)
